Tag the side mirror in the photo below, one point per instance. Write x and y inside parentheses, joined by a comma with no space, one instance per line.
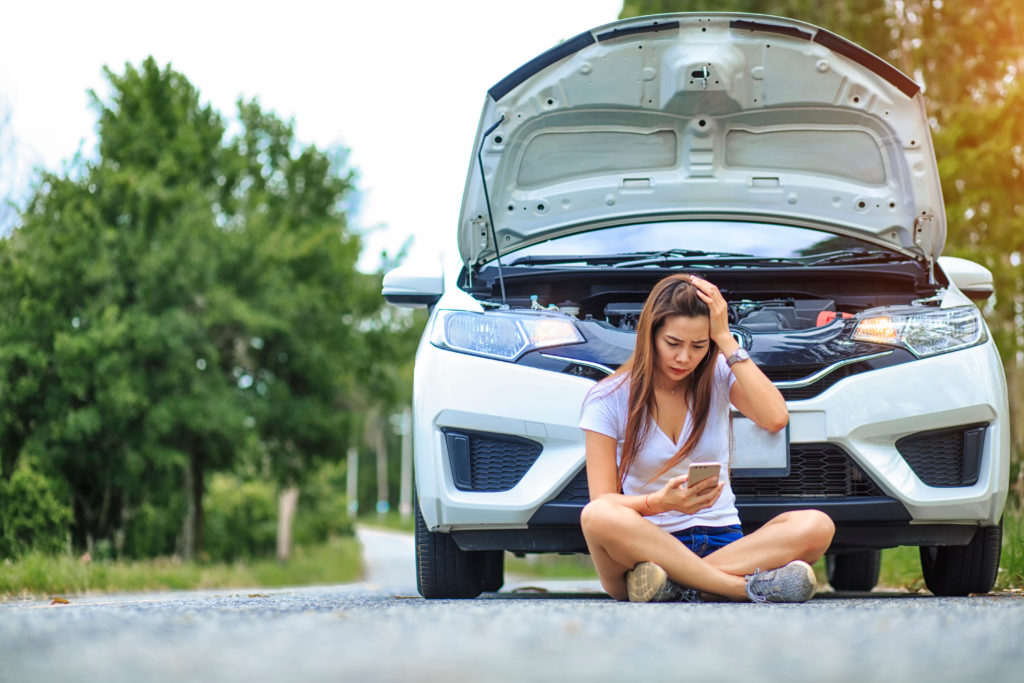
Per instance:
(411,288)
(973,279)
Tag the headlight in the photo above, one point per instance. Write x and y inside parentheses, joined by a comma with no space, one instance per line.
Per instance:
(923,332)
(501,335)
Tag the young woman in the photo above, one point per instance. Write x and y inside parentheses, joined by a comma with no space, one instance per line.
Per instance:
(652,538)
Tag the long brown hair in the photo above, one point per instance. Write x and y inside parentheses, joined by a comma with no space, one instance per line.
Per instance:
(672,296)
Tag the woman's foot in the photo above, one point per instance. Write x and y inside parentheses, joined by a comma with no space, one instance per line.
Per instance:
(647,582)
(794,582)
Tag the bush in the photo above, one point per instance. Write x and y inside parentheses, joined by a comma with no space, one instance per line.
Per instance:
(240,519)
(31,516)
(322,512)
(152,529)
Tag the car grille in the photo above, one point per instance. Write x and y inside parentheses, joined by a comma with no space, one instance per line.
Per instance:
(816,470)
(948,457)
(811,390)
(484,461)
(576,491)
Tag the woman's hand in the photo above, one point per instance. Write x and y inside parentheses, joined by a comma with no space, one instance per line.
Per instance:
(676,495)
(710,295)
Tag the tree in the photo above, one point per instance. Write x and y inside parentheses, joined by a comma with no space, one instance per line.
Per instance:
(181,304)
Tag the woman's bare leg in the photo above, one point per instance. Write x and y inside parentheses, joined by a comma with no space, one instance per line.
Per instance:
(796,535)
(619,538)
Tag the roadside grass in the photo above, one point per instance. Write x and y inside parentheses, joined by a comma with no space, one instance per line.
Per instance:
(38,576)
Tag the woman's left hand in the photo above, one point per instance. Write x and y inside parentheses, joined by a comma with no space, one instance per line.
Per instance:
(710,295)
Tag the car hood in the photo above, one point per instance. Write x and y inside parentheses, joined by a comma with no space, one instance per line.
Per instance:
(703,116)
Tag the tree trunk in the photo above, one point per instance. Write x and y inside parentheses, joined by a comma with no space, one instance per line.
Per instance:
(287,504)
(352,482)
(192,530)
(383,503)
(198,489)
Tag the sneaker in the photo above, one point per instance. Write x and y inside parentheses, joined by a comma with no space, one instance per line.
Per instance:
(794,582)
(647,582)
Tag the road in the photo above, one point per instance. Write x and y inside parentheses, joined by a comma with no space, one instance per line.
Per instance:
(379,630)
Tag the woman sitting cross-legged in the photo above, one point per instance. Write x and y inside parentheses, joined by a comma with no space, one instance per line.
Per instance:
(652,538)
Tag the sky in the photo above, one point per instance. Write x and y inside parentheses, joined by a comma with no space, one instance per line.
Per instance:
(398,83)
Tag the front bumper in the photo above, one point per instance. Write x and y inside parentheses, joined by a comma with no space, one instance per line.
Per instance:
(865,415)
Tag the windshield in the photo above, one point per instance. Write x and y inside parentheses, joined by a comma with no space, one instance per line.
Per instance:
(705,239)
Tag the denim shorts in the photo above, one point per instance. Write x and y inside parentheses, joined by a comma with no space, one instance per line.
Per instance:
(704,540)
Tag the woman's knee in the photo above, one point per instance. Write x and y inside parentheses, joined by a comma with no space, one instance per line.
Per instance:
(818,530)
(600,515)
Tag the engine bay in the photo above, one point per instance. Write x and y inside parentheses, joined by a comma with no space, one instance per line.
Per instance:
(774,301)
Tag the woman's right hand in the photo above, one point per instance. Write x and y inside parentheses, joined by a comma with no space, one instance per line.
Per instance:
(676,495)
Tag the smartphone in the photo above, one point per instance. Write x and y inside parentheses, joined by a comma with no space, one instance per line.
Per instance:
(699,471)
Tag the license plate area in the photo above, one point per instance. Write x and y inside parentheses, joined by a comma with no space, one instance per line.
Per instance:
(758,452)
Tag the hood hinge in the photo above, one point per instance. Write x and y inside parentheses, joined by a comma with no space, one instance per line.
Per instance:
(924,234)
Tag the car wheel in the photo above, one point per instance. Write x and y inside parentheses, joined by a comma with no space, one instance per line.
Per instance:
(857,571)
(443,569)
(963,569)
(494,570)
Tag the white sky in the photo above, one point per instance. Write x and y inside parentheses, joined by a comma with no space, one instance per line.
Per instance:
(399,82)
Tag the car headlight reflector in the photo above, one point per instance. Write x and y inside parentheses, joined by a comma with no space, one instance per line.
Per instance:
(501,335)
(923,332)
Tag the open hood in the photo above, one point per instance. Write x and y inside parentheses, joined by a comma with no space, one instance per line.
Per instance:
(703,116)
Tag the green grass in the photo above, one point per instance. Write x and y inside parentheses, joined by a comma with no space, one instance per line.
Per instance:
(39,576)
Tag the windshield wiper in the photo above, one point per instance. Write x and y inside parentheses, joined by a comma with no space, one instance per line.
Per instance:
(636,257)
(855,255)
(674,256)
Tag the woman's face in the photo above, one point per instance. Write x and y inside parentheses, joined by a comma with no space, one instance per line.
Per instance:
(680,345)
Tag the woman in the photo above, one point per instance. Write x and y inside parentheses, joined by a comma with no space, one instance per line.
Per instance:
(651,537)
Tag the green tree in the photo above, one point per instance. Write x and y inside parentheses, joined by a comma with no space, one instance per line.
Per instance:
(184,304)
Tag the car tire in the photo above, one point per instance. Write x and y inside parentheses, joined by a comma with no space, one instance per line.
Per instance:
(856,571)
(494,570)
(443,569)
(964,569)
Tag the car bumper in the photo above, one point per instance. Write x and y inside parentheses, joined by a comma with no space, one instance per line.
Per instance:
(865,415)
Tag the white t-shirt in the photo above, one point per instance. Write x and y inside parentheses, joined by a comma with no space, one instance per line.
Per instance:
(605,410)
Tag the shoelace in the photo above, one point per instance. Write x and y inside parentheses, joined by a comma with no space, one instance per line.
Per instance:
(758,578)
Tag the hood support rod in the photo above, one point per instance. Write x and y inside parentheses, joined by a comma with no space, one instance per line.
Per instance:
(487,201)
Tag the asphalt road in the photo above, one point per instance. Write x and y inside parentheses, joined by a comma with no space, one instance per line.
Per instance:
(381,630)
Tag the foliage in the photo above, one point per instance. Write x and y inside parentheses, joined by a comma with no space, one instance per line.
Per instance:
(323,507)
(241,519)
(241,514)
(185,304)
(31,516)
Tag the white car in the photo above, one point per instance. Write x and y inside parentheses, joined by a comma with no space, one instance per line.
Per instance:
(794,170)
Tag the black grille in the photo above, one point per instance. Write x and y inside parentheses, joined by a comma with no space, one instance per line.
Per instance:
(947,457)
(576,491)
(816,470)
(489,462)
(811,390)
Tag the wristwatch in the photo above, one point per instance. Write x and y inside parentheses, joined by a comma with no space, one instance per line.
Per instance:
(737,356)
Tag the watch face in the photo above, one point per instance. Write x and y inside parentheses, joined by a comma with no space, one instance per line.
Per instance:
(737,356)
